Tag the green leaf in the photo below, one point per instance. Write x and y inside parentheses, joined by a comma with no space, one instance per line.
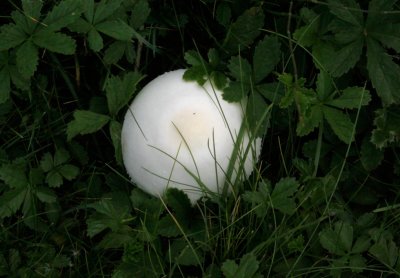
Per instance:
(247,267)
(5,85)
(361,245)
(54,179)
(347,10)
(105,9)
(388,34)
(256,114)
(244,30)
(47,163)
(371,156)
(324,85)
(95,40)
(120,91)
(387,122)
(196,73)
(339,240)
(179,203)
(182,253)
(240,69)
(266,56)
(338,61)
(140,12)
(11,201)
(32,8)
(235,91)
(85,122)
(27,59)
(55,42)
(340,124)
(114,52)
(115,133)
(259,199)
(69,172)
(281,197)
(310,120)
(116,29)
(11,36)
(384,73)
(45,195)
(14,175)
(61,156)
(352,97)
(194,58)
(65,13)
(386,251)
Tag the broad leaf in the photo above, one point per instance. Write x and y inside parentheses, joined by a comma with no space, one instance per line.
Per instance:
(55,42)
(340,124)
(247,267)
(384,73)
(85,122)
(11,201)
(282,194)
(352,97)
(120,90)
(116,29)
(140,12)
(240,69)
(27,59)
(63,14)
(11,36)
(95,40)
(14,175)
(347,10)
(266,56)
(244,30)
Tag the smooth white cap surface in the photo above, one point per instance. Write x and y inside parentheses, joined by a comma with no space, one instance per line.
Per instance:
(175,130)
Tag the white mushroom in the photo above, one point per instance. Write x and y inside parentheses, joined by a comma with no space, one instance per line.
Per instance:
(177,133)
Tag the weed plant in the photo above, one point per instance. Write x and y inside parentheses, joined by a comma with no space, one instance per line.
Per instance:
(322,80)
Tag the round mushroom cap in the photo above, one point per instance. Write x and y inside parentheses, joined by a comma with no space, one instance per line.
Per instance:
(180,134)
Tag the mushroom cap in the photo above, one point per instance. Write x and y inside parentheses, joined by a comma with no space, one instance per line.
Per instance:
(177,133)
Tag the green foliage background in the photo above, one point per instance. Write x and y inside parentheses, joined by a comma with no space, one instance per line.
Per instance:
(322,80)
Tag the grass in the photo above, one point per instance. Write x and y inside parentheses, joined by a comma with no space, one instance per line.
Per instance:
(318,204)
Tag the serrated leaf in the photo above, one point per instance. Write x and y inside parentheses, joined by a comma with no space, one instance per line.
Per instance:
(45,195)
(223,14)
(85,122)
(5,85)
(140,12)
(61,156)
(386,251)
(182,253)
(266,56)
(120,91)
(324,85)
(115,134)
(281,197)
(371,156)
(240,69)
(244,30)
(338,61)
(259,199)
(32,8)
(388,34)
(194,58)
(256,116)
(14,175)
(196,73)
(69,172)
(27,59)
(387,122)
(219,80)
(310,120)
(347,10)
(351,97)
(116,29)
(11,36)
(105,9)
(247,267)
(55,42)
(114,52)
(377,13)
(54,179)
(340,124)
(11,201)
(331,241)
(384,73)
(47,163)
(95,40)
(95,225)
(167,227)
(235,91)
(65,13)
(361,245)
(179,203)
(345,232)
